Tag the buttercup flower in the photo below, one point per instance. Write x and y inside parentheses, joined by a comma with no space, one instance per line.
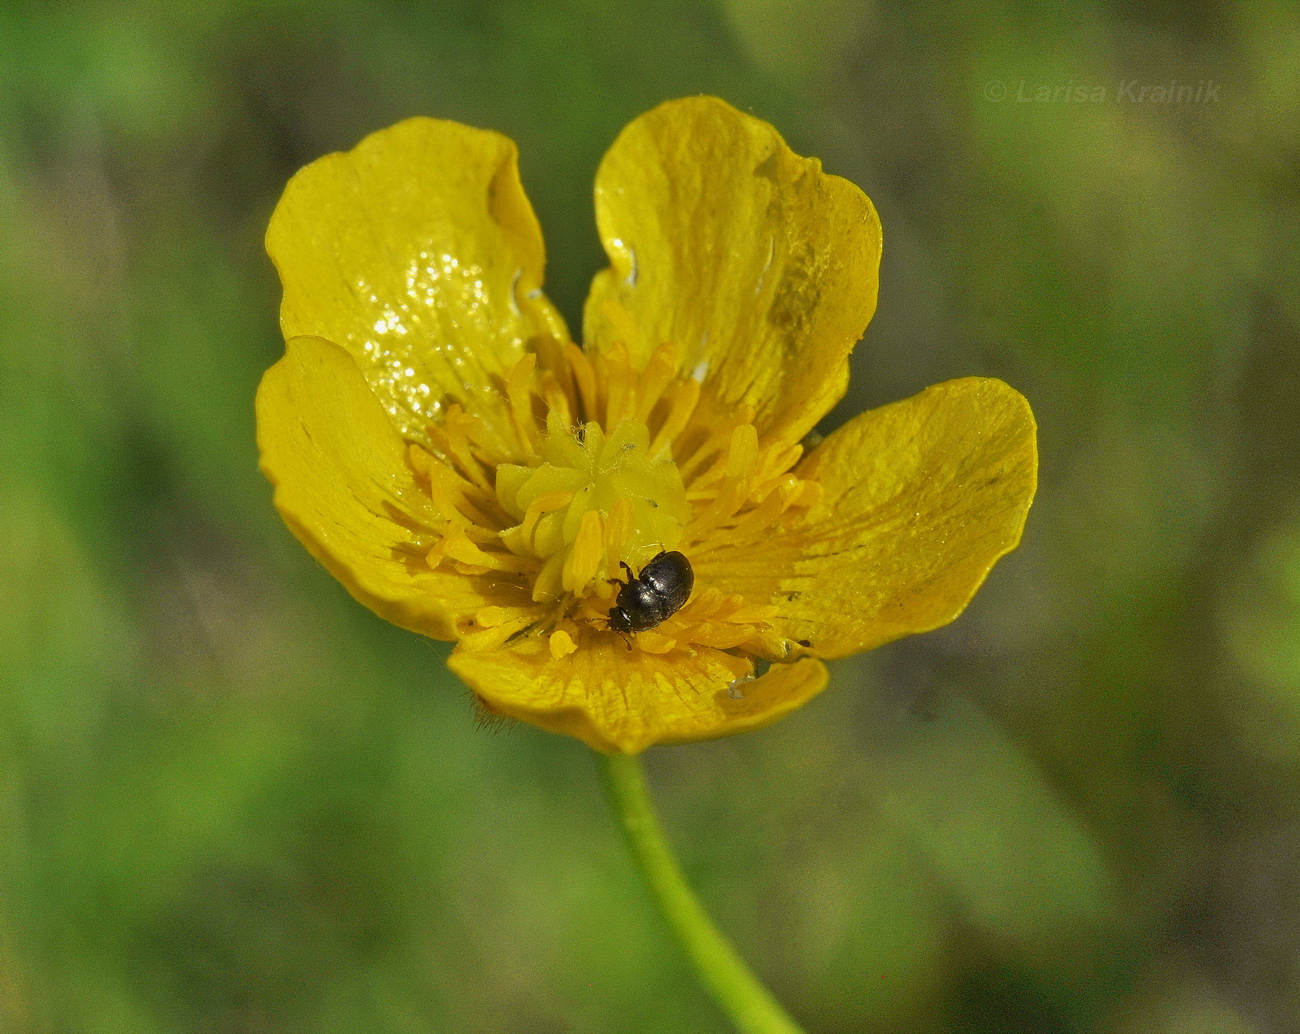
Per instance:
(439,443)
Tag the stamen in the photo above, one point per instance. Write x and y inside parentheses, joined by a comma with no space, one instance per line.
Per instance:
(519,385)
(552,357)
(556,399)
(619,384)
(452,497)
(684,398)
(452,438)
(586,554)
(419,459)
(547,502)
(718,438)
(656,376)
(751,525)
(585,376)
(456,545)
(654,641)
(561,644)
(742,451)
(645,471)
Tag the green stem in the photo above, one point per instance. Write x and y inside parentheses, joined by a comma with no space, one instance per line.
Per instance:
(737,991)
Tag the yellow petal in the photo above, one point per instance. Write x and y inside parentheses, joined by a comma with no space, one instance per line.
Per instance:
(616,699)
(419,254)
(921,498)
(760,268)
(343,486)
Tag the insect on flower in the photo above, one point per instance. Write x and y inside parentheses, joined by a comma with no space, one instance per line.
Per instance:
(473,471)
(653,596)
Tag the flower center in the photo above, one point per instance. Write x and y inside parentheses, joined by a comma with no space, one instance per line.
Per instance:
(594,502)
(592,463)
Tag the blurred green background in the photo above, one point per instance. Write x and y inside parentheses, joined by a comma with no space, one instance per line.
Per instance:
(232,800)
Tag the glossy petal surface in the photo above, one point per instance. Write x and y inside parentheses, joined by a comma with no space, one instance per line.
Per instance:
(616,699)
(757,266)
(344,488)
(419,254)
(921,498)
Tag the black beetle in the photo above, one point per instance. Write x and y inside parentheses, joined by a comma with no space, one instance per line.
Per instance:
(654,595)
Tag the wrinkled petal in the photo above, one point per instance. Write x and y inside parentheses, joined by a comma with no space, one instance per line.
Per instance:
(615,699)
(343,486)
(419,254)
(757,266)
(921,499)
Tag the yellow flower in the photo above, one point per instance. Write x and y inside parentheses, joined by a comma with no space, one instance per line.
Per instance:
(440,444)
